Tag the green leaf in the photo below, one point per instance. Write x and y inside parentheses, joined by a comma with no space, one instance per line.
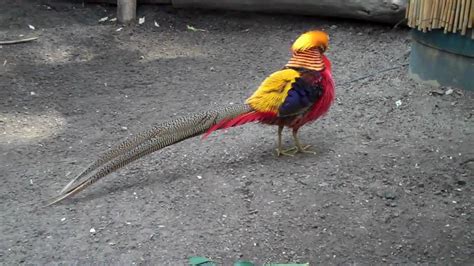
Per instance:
(291,264)
(243,263)
(201,261)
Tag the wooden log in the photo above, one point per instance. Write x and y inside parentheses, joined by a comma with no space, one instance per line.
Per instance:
(388,11)
(126,11)
(114,2)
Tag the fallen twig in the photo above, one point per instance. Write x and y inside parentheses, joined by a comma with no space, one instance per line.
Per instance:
(374,73)
(18,41)
(467,161)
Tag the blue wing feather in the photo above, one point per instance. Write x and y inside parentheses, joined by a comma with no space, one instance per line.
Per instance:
(304,92)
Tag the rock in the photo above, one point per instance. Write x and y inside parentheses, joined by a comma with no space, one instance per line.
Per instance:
(389,195)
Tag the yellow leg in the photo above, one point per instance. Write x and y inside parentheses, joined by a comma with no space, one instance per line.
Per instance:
(279,149)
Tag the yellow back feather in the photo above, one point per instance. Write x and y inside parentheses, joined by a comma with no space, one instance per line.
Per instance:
(272,92)
(310,40)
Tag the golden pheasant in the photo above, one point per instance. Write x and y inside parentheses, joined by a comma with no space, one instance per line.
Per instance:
(299,93)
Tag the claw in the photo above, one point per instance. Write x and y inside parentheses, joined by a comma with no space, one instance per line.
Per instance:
(286,152)
(305,149)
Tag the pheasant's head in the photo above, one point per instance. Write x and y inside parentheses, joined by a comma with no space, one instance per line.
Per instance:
(311,40)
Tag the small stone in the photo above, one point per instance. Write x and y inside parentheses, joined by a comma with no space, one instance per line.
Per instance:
(448,91)
(323,184)
(437,91)
(92,230)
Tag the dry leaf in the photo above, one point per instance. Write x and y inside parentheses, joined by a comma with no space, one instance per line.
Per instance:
(189,27)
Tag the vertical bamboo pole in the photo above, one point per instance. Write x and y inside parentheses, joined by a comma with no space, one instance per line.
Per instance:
(471,17)
(126,11)
(433,10)
(407,14)
(407,11)
(434,15)
(419,13)
(451,16)
(456,16)
(448,14)
(440,13)
(461,14)
(413,13)
(443,14)
(466,17)
(426,15)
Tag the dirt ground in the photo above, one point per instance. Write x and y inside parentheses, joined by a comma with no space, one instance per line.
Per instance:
(390,184)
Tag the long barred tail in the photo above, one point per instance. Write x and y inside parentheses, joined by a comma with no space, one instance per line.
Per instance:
(156,138)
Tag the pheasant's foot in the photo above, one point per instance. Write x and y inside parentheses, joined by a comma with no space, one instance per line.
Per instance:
(287,152)
(302,149)
(305,149)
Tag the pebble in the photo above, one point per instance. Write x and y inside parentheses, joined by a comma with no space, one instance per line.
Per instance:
(389,195)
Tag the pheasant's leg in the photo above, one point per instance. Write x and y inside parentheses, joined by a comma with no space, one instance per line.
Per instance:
(279,149)
(299,147)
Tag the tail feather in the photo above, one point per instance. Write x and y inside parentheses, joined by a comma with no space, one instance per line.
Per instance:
(240,120)
(118,149)
(158,137)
